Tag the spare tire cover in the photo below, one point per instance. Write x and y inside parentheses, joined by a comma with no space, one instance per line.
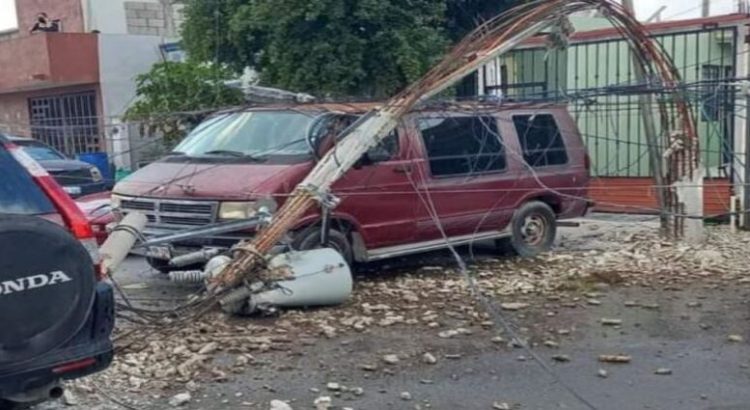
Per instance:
(47,284)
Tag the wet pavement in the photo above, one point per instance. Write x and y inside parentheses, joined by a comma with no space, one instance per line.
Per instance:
(687,343)
(707,370)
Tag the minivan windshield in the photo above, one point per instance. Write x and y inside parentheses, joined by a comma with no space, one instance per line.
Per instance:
(254,134)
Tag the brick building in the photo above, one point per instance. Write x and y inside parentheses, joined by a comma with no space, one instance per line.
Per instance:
(68,88)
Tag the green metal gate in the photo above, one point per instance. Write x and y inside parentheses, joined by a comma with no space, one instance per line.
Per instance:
(597,76)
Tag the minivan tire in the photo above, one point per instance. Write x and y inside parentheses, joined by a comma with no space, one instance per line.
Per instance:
(309,238)
(161,265)
(533,229)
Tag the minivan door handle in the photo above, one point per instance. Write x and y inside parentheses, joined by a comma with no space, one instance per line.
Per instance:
(402,169)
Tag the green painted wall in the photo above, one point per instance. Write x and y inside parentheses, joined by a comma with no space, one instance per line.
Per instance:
(611,124)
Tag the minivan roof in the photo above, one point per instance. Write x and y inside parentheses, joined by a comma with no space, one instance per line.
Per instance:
(363,107)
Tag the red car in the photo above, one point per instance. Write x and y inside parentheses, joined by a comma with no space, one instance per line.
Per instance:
(484,171)
(98,211)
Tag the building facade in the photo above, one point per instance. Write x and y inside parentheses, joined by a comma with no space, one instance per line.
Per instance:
(595,75)
(70,88)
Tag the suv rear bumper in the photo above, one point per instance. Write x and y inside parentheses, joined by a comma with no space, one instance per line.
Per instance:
(89,351)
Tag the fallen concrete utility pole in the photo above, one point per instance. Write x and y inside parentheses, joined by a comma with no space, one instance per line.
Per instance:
(489,41)
(121,241)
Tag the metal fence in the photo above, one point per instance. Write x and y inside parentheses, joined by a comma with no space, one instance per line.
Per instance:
(611,122)
(67,122)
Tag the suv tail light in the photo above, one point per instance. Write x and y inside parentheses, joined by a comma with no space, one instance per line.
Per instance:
(73,217)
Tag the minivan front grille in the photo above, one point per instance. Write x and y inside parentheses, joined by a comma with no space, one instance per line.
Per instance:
(139,205)
(172,213)
(186,208)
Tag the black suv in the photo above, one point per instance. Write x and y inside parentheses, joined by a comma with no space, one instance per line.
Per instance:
(56,313)
(77,178)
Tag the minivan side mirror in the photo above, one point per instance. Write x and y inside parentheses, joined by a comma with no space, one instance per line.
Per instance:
(372,158)
(378,154)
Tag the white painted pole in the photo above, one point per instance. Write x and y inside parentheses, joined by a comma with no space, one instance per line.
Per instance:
(121,241)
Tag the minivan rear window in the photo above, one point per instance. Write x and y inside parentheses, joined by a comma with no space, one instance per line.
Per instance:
(540,139)
(19,194)
(463,145)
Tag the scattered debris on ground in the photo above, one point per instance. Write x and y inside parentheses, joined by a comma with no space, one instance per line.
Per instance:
(435,299)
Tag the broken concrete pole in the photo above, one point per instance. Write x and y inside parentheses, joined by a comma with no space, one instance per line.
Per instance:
(121,241)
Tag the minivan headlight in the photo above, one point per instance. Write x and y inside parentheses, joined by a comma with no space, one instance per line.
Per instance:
(115,201)
(237,210)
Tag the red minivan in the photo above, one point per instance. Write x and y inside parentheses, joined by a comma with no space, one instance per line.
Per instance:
(468,172)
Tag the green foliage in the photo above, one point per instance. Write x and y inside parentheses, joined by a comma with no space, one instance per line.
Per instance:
(172,88)
(369,48)
(363,48)
(463,16)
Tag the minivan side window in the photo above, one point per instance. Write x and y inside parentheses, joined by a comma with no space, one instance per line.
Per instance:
(540,139)
(463,145)
(387,148)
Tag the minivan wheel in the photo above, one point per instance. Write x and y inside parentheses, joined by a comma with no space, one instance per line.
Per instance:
(160,265)
(309,239)
(534,227)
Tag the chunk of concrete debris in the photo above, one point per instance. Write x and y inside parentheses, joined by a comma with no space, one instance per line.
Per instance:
(736,338)
(500,406)
(602,373)
(357,391)
(328,331)
(429,358)
(69,398)
(663,371)
(391,358)
(208,348)
(551,344)
(513,306)
(406,396)
(333,386)
(323,403)
(611,322)
(180,399)
(594,302)
(561,358)
(368,367)
(617,359)
(448,334)
(280,405)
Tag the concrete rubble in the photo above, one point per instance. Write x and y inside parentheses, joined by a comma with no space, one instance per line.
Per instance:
(436,300)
